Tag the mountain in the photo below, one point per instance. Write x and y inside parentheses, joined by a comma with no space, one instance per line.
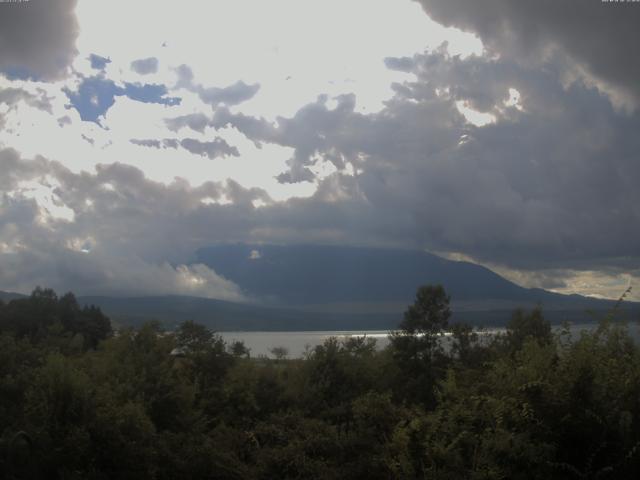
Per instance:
(343,288)
(332,275)
(308,287)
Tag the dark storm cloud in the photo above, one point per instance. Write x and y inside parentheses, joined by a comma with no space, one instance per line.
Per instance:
(145,66)
(600,37)
(37,38)
(549,185)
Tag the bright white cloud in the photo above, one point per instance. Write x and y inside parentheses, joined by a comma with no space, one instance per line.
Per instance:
(295,49)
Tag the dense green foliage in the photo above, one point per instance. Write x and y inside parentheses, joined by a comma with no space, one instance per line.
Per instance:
(77,401)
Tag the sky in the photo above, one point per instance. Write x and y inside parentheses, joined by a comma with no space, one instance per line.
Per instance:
(500,132)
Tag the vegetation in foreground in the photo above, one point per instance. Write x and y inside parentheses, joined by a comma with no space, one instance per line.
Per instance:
(77,401)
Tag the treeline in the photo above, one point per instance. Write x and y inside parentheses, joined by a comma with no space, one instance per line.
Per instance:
(80,402)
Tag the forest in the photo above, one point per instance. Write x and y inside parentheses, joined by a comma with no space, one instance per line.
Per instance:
(79,400)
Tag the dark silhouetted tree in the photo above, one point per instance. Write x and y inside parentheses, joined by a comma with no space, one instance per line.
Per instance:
(417,348)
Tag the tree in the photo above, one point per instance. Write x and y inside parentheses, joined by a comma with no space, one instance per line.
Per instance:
(37,316)
(239,349)
(279,353)
(525,325)
(464,345)
(416,347)
(194,337)
(430,312)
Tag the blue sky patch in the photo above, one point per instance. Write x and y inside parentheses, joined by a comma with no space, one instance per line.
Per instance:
(98,62)
(96,95)
(149,93)
(19,73)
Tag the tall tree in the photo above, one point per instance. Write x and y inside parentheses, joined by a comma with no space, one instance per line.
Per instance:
(417,349)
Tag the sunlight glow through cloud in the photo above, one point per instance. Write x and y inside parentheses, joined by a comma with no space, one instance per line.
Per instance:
(479,119)
(43,192)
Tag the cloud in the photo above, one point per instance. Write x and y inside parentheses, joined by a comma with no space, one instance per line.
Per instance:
(148,142)
(592,37)
(545,186)
(37,38)
(97,251)
(195,121)
(91,273)
(149,93)
(216,148)
(64,120)
(145,66)
(546,190)
(310,132)
(258,130)
(11,97)
(231,95)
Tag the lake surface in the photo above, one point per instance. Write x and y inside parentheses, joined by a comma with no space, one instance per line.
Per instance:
(296,343)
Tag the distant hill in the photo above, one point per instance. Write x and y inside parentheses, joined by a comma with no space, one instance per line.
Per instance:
(8,296)
(228,316)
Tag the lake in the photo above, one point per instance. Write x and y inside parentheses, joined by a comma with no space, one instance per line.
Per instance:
(297,343)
